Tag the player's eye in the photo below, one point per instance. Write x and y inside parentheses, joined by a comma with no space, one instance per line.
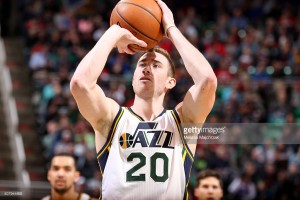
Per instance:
(68,168)
(156,66)
(142,65)
(54,168)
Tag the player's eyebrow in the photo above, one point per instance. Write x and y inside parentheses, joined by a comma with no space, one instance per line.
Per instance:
(145,59)
(61,166)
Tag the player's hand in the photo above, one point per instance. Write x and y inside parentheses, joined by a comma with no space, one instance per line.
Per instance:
(126,38)
(167,18)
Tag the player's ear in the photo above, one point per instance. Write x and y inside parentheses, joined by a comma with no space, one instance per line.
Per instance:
(171,82)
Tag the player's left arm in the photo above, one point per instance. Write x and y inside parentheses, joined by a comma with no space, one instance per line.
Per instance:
(200,98)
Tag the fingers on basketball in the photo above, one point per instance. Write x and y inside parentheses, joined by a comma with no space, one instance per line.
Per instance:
(142,18)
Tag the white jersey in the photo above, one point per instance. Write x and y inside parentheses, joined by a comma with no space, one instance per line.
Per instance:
(145,159)
(81,196)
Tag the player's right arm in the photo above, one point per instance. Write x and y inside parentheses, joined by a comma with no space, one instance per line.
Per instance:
(95,107)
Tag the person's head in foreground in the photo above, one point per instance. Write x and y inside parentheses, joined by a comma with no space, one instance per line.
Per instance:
(62,176)
(62,173)
(209,186)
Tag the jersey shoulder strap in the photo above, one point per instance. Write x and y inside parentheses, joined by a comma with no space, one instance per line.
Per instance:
(102,155)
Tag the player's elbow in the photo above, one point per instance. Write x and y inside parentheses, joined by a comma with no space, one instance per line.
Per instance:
(209,83)
(77,85)
(213,81)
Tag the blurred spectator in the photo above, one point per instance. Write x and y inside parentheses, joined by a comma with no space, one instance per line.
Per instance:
(242,188)
(62,176)
(209,186)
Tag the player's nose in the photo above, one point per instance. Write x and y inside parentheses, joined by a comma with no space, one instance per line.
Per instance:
(210,190)
(60,172)
(147,70)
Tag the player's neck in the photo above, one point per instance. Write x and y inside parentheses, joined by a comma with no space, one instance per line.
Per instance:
(70,194)
(148,109)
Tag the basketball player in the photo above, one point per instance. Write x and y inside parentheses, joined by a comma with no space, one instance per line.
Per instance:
(209,186)
(62,175)
(142,152)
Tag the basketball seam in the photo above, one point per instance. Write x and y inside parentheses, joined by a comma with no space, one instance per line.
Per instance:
(143,9)
(135,27)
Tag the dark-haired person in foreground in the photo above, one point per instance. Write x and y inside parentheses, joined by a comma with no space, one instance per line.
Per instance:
(62,176)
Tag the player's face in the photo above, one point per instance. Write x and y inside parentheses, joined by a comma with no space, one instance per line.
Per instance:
(209,189)
(151,75)
(62,174)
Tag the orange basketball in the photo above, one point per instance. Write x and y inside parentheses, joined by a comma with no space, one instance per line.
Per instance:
(142,18)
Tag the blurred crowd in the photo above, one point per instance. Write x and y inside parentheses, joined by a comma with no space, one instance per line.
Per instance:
(253,47)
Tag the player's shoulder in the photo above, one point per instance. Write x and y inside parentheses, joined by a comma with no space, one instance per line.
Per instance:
(46,198)
(84,196)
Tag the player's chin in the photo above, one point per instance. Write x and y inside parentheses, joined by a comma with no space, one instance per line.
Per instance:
(210,198)
(60,184)
(60,190)
(145,92)
(143,87)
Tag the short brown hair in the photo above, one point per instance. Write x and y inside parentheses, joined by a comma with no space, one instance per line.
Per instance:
(171,71)
(209,173)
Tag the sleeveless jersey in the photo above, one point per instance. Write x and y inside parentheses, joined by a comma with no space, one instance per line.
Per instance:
(145,159)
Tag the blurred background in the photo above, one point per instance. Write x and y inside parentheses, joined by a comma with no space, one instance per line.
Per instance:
(253,47)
